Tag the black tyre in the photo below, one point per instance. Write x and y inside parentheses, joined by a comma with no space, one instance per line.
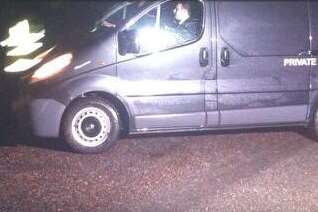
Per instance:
(91,125)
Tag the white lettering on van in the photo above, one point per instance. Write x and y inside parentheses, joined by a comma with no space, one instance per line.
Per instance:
(290,62)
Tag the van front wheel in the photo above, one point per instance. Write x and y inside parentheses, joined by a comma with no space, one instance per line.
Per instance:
(91,125)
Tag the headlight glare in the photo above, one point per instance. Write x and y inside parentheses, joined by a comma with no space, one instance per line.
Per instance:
(22,65)
(52,67)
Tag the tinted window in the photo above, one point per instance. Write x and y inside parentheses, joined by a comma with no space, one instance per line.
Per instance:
(266,27)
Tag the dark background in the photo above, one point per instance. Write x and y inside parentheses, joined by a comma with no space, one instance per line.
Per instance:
(59,18)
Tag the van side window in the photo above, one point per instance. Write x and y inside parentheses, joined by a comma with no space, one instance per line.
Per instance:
(146,31)
(264,28)
(172,24)
(181,22)
(134,8)
(116,17)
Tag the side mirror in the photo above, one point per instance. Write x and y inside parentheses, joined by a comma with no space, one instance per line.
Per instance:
(128,42)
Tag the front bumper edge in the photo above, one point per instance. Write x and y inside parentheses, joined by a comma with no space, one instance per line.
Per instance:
(46,117)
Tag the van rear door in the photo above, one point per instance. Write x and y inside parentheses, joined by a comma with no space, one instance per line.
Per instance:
(263,63)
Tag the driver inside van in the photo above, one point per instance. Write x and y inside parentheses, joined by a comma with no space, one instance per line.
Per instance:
(187,26)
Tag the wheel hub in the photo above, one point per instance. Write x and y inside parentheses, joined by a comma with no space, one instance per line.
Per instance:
(91,127)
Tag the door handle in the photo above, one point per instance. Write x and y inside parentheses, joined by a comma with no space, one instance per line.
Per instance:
(225,57)
(204,57)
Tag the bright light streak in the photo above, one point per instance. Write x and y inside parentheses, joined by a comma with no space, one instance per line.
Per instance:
(21,37)
(44,54)
(25,49)
(22,65)
(25,64)
(82,65)
(52,68)
(149,37)
(154,39)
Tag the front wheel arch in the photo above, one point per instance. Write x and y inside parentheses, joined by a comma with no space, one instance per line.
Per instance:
(121,107)
(76,113)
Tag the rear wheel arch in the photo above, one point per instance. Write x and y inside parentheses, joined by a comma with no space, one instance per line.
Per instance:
(313,106)
(312,116)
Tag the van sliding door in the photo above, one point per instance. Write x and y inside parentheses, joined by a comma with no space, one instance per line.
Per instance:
(263,66)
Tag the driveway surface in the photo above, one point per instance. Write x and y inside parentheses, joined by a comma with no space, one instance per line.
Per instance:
(254,170)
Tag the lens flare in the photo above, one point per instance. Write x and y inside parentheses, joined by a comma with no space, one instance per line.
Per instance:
(21,65)
(52,68)
(22,39)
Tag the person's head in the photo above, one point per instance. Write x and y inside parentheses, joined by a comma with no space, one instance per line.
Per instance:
(182,11)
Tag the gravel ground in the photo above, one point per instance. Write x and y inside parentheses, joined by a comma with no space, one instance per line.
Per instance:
(234,171)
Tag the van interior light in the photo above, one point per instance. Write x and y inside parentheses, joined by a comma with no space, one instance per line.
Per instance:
(21,65)
(21,38)
(52,67)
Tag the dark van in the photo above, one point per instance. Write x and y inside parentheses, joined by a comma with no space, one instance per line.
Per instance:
(170,66)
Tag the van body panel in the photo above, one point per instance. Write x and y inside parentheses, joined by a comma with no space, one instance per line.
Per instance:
(314,42)
(66,91)
(268,115)
(91,52)
(264,100)
(313,8)
(211,86)
(256,82)
(313,14)
(170,91)
(143,109)
(46,116)
(174,121)
(164,75)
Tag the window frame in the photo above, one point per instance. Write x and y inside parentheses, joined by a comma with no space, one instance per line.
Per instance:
(114,10)
(158,5)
